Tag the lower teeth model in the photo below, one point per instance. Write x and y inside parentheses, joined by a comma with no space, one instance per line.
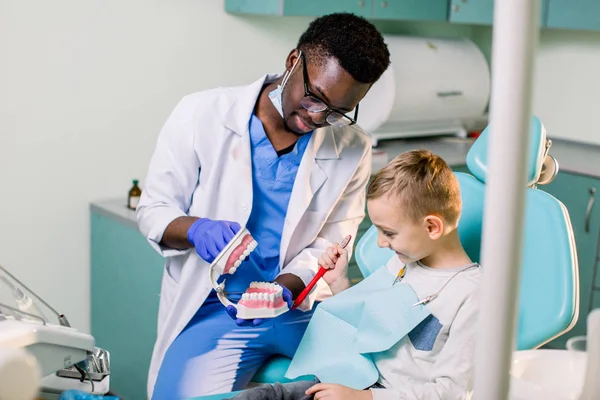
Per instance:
(261,299)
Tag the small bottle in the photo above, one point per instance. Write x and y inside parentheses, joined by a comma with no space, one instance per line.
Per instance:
(134,195)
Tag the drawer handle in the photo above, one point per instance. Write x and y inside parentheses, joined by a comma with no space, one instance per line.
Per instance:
(588,213)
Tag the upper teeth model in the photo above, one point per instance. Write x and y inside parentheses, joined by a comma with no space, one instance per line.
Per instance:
(261,299)
(239,254)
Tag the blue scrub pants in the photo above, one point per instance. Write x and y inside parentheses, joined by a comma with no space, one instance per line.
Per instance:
(214,355)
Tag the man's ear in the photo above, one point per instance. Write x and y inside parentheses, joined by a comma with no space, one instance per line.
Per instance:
(291,59)
(434,226)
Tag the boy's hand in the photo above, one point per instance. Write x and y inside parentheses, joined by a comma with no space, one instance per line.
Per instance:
(335,259)
(331,391)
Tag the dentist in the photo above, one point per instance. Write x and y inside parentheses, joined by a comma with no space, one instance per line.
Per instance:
(281,156)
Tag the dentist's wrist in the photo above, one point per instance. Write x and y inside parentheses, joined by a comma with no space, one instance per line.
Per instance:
(292,282)
(175,235)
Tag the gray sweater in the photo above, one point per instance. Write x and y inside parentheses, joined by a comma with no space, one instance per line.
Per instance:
(435,361)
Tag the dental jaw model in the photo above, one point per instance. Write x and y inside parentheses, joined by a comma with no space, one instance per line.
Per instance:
(264,298)
(261,299)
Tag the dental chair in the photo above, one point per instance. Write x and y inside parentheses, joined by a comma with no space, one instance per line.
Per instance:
(549,287)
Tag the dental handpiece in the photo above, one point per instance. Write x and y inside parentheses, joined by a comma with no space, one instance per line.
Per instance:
(24,302)
(316,278)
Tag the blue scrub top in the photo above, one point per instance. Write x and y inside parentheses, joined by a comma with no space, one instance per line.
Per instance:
(273,178)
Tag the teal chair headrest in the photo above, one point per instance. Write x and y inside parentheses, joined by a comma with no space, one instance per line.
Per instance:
(538,149)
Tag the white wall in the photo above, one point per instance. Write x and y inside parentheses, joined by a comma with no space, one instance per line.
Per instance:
(85,87)
(567,84)
(567,81)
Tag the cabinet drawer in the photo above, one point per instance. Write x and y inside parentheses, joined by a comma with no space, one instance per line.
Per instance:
(264,7)
(472,12)
(313,8)
(320,7)
(481,12)
(423,10)
(574,14)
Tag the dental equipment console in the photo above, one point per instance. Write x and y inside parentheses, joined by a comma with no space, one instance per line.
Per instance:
(66,357)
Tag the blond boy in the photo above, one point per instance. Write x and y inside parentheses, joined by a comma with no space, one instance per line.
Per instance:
(415,204)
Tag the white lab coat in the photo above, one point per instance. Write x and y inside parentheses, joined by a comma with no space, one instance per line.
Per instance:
(202,167)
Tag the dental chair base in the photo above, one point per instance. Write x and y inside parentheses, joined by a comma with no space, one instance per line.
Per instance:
(559,374)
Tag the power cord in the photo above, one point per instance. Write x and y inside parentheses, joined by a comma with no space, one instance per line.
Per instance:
(84,373)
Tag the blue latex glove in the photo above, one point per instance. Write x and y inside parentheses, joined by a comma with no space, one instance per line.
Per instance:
(209,237)
(232,311)
(79,395)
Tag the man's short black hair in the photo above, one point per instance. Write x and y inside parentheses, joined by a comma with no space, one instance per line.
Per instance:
(352,40)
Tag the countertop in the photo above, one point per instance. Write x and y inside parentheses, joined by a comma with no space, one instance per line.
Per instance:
(574,157)
(117,210)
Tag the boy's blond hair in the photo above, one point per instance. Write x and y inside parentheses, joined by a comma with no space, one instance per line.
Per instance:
(422,183)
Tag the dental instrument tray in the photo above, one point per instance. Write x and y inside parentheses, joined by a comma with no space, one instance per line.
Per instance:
(261,299)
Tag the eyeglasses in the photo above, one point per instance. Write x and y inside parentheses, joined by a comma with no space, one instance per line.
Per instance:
(312,103)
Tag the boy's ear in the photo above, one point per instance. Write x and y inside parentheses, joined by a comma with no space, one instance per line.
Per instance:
(434,226)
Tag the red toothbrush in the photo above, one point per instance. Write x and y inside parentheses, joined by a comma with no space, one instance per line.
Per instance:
(318,276)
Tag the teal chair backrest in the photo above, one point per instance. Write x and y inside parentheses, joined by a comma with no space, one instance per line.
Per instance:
(549,288)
